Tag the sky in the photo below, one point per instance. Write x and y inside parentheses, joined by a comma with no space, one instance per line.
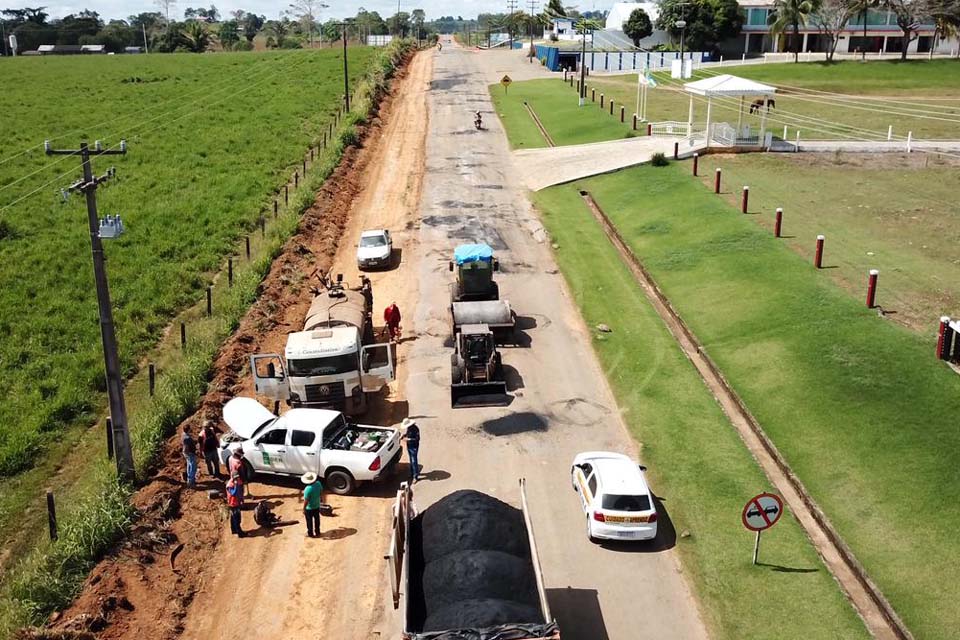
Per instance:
(110,9)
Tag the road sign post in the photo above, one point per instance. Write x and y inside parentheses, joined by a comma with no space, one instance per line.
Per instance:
(760,513)
(505,81)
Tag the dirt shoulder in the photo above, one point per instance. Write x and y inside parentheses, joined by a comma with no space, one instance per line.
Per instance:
(179,574)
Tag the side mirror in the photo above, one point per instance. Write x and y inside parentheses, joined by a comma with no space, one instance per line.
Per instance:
(451,265)
(496,265)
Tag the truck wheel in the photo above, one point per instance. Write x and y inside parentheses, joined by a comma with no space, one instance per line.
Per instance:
(339,482)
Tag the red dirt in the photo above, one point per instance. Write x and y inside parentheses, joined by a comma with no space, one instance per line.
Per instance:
(144,587)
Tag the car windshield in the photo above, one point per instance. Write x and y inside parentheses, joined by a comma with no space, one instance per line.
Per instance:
(372,241)
(328,366)
(626,503)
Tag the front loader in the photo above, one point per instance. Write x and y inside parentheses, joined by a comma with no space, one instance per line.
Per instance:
(477,378)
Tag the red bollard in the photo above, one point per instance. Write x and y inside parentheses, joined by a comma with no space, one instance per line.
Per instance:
(744,198)
(649,129)
(778,223)
(716,180)
(676,150)
(818,257)
(872,289)
(696,164)
(944,338)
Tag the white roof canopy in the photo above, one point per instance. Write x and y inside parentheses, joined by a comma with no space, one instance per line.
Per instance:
(727,85)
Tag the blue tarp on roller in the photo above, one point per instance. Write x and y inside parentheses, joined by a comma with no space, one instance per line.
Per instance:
(472,253)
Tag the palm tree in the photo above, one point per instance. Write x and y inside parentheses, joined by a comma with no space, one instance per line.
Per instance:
(195,37)
(792,14)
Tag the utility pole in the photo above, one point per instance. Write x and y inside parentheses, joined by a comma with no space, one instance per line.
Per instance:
(346,77)
(511,9)
(533,5)
(3,35)
(145,48)
(118,411)
(583,66)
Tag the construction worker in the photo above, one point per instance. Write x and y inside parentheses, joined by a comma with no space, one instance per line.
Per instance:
(391,316)
(239,470)
(208,444)
(411,433)
(235,502)
(312,494)
(189,447)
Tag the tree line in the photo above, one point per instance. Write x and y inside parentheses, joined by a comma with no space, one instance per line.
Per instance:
(203,28)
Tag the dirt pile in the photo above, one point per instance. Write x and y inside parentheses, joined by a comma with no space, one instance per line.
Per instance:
(477,570)
(144,589)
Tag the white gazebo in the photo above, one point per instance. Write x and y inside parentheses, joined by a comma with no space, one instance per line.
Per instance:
(727,86)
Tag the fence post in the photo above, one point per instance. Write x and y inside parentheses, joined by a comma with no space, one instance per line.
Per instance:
(209,302)
(304,167)
(872,288)
(286,195)
(611,106)
(634,122)
(274,207)
(818,256)
(778,223)
(649,129)
(909,141)
(152,377)
(716,180)
(593,95)
(889,132)
(183,335)
(296,179)
(796,146)
(601,101)
(51,515)
(229,271)
(744,198)
(263,226)
(696,163)
(784,132)
(109,424)
(676,150)
(248,246)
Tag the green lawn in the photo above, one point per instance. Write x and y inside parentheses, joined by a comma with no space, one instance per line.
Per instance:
(933,87)
(556,105)
(858,405)
(894,212)
(696,459)
(210,139)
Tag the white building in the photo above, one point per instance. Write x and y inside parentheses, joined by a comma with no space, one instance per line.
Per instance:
(620,13)
(560,29)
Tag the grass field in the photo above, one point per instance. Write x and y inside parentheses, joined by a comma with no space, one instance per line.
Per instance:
(932,89)
(696,459)
(894,212)
(859,406)
(210,138)
(556,105)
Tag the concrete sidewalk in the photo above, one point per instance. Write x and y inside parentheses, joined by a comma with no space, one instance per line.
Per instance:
(542,168)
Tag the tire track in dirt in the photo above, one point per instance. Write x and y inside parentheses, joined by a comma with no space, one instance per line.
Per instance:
(271,582)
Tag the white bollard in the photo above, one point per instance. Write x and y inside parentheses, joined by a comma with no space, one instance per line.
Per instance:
(797,146)
(909,141)
(721,61)
(890,132)
(784,132)
(743,58)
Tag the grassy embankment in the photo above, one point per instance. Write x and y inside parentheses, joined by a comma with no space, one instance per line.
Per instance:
(858,405)
(932,88)
(696,459)
(209,137)
(96,510)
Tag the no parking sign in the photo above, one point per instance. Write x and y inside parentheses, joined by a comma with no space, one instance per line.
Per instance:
(761,512)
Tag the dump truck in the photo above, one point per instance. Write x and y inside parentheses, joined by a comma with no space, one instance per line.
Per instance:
(467,568)
(476,369)
(334,362)
(475,296)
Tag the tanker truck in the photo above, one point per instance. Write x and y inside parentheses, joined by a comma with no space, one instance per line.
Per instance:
(334,361)
(467,568)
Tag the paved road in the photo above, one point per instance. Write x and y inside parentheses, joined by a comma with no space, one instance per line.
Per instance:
(562,404)
(573,162)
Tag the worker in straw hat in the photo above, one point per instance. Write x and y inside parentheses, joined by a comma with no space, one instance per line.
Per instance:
(312,494)
(411,433)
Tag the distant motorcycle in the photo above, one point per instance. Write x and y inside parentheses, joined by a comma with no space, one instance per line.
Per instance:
(478,121)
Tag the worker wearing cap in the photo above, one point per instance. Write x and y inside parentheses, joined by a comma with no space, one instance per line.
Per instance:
(312,494)
(235,502)
(411,433)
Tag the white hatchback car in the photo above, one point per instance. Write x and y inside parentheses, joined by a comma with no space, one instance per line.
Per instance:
(375,249)
(616,499)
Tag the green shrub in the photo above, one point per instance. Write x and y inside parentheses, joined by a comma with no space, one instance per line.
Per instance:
(659,160)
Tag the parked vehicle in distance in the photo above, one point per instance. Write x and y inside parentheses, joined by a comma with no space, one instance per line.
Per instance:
(375,249)
(615,496)
(341,452)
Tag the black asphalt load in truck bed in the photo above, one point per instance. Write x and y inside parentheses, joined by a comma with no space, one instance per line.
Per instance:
(470,568)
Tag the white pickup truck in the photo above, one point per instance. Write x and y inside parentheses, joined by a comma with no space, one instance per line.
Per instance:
(301,440)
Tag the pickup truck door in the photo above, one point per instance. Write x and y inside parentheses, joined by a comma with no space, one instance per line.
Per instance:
(269,378)
(376,361)
(270,450)
(303,454)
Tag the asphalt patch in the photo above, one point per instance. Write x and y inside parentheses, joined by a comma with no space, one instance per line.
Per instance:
(522,422)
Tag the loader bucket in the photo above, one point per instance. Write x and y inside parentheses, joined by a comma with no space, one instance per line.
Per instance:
(479,394)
